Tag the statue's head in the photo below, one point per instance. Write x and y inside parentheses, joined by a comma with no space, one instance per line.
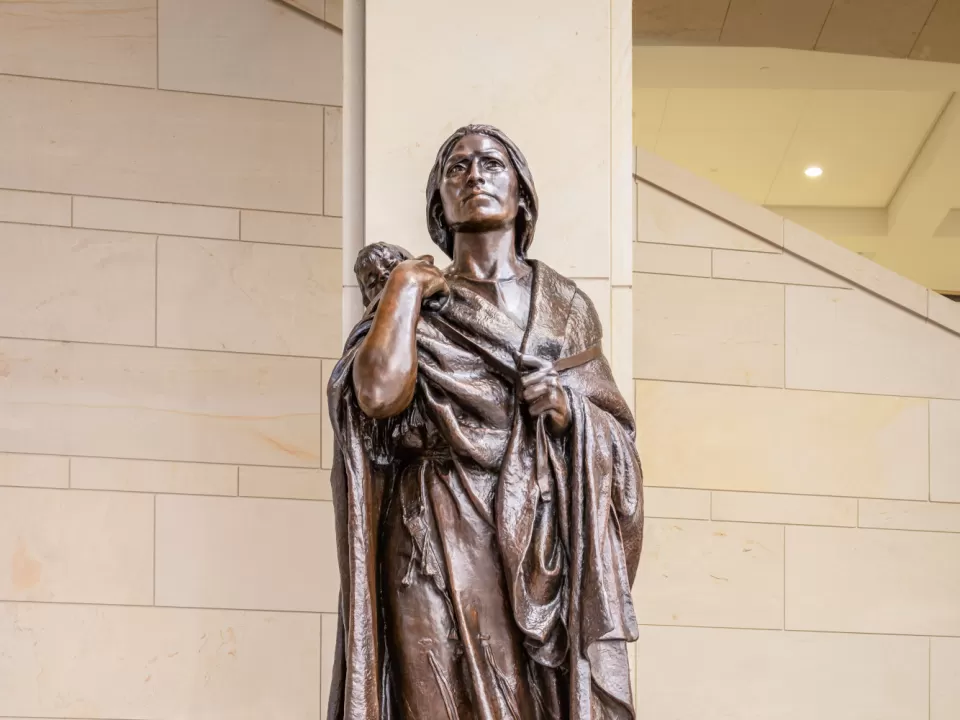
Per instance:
(373,266)
(480,181)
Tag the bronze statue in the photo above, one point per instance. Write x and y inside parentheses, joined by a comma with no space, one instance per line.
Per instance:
(486,483)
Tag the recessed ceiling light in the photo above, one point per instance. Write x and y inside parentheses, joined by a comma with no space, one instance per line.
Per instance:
(814,171)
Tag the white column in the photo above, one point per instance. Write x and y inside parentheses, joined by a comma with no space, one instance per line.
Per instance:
(354,50)
(556,77)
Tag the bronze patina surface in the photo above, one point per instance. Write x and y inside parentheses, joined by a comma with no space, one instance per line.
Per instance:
(486,484)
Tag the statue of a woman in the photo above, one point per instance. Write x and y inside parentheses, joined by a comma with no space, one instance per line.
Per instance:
(486,483)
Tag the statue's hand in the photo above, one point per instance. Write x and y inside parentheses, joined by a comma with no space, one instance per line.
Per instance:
(544,394)
(423,274)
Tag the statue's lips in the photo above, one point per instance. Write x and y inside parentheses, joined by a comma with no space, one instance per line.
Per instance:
(476,195)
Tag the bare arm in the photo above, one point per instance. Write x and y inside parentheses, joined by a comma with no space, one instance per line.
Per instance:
(385,368)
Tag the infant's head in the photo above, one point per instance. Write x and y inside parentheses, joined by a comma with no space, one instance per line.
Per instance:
(374,265)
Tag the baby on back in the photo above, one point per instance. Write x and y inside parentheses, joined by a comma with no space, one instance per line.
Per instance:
(373,267)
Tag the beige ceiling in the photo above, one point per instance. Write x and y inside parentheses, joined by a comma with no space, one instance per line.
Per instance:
(758,142)
(919,29)
(886,133)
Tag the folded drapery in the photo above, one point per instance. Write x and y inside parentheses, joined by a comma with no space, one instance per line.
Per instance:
(559,520)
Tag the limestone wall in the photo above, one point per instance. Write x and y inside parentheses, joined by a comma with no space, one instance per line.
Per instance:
(799,420)
(170,284)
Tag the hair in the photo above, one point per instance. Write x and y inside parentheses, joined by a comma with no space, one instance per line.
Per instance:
(440,231)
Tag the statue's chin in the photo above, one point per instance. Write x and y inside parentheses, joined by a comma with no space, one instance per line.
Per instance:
(482,224)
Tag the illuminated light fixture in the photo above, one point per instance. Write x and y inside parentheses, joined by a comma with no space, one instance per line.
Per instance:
(814,171)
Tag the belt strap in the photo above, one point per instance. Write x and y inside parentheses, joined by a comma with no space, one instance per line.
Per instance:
(508,371)
(581,358)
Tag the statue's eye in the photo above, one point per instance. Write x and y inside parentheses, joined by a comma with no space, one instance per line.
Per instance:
(456,168)
(493,164)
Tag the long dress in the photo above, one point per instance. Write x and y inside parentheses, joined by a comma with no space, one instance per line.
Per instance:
(486,566)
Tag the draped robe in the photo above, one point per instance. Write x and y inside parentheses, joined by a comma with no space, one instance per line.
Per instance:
(565,514)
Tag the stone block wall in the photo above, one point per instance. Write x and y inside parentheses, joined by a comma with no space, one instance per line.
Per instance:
(799,421)
(170,305)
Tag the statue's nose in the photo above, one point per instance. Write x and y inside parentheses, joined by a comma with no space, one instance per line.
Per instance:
(475,177)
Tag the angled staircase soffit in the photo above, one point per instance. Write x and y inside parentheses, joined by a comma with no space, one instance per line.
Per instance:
(796,240)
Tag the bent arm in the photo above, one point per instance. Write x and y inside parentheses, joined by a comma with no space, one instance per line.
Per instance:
(385,367)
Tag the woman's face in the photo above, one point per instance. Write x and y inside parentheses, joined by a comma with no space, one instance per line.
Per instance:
(479,189)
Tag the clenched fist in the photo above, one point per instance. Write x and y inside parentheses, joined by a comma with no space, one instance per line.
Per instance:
(544,394)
